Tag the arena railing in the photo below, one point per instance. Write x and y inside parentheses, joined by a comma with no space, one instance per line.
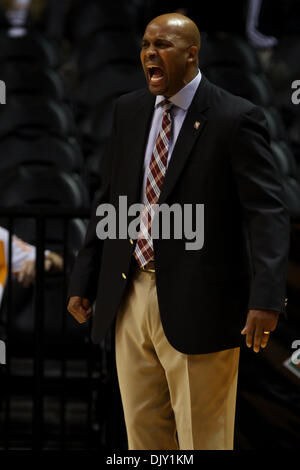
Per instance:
(101,429)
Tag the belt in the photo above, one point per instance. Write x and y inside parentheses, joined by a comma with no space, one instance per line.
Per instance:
(149,267)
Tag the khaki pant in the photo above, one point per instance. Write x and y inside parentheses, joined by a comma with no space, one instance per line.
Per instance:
(170,400)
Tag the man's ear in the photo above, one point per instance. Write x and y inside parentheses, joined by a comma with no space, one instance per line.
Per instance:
(193,53)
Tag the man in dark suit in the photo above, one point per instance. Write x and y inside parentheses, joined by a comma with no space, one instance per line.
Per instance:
(179,312)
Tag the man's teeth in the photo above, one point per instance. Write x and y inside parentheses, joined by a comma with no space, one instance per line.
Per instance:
(155,73)
(156,79)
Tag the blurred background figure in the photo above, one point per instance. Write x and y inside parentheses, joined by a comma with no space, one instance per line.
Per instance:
(16,13)
(256,38)
(23,260)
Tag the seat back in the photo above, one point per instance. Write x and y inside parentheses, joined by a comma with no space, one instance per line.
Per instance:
(44,150)
(39,186)
(35,116)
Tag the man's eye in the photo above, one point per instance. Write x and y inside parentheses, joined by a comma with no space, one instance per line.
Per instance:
(161,45)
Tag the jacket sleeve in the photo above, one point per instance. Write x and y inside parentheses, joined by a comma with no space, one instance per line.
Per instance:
(85,272)
(265,213)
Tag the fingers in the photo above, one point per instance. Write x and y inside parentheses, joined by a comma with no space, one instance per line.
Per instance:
(255,338)
(48,264)
(248,331)
(80,314)
(27,273)
(80,309)
(265,339)
(249,336)
(258,335)
(54,262)
(258,327)
(260,339)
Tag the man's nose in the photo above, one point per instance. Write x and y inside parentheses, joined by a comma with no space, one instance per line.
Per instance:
(150,52)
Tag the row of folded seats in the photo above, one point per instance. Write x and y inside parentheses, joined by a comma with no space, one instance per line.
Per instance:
(105,50)
(282,71)
(228,61)
(232,64)
(102,78)
(53,133)
(51,143)
(41,163)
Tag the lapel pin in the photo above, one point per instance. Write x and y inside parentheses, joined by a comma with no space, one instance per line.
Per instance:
(197,125)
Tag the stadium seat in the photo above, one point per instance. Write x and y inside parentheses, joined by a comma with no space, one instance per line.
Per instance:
(45,150)
(34,116)
(228,51)
(96,125)
(287,167)
(94,163)
(109,82)
(92,16)
(104,47)
(23,78)
(32,48)
(39,186)
(275,124)
(242,83)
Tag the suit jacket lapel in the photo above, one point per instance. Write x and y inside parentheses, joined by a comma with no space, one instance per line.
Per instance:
(192,127)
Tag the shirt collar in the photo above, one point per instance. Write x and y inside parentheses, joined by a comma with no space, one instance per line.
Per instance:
(183,97)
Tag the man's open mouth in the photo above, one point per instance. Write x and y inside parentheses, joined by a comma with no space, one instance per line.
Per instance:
(155,74)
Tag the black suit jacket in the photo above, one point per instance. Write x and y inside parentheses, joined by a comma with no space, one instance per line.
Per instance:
(227,165)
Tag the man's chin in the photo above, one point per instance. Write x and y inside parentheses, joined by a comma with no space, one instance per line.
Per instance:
(156,90)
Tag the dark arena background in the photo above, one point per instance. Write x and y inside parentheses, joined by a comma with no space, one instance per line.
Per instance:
(62,66)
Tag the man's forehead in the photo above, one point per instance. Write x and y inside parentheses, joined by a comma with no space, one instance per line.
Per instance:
(164,30)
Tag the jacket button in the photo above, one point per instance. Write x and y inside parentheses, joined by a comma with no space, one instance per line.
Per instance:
(123,275)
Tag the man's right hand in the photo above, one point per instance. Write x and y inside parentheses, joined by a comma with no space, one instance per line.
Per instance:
(80,308)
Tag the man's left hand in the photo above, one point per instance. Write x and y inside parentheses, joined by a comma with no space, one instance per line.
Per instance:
(258,326)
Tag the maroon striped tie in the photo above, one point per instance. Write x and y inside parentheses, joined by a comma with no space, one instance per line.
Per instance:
(144,252)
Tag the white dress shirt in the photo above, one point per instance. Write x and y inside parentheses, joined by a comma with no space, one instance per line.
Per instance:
(181,102)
